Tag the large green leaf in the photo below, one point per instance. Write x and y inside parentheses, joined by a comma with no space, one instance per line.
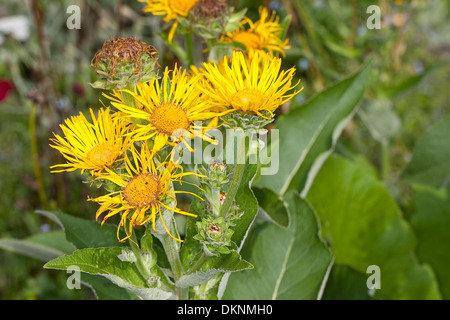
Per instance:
(365,227)
(44,246)
(191,247)
(271,206)
(405,87)
(289,264)
(430,164)
(380,118)
(345,283)
(84,233)
(102,261)
(308,134)
(104,289)
(247,203)
(107,262)
(431,223)
(53,244)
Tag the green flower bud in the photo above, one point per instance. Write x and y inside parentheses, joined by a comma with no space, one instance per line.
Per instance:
(215,235)
(214,175)
(247,121)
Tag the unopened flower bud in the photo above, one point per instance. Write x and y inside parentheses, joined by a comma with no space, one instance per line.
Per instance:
(214,175)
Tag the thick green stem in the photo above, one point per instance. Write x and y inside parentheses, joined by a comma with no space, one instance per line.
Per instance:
(190,49)
(143,270)
(237,178)
(198,264)
(171,248)
(385,161)
(213,197)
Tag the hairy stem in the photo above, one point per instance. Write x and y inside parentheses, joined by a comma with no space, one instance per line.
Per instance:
(172,251)
(237,178)
(198,264)
(143,270)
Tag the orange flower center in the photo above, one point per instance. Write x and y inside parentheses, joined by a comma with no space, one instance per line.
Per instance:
(102,155)
(169,118)
(248,100)
(143,190)
(249,39)
(182,7)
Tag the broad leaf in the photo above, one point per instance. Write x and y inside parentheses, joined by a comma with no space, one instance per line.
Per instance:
(345,283)
(411,83)
(247,203)
(102,261)
(431,223)
(85,233)
(290,264)
(191,248)
(104,289)
(430,164)
(44,247)
(308,134)
(53,244)
(380,118)
(365,227)
(271,206)
(107,263)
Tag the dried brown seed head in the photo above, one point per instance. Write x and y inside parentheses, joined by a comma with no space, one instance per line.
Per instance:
(209,9)
(119,51)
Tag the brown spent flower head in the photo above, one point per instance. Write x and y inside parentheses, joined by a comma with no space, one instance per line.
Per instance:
(209,9)
(122,58)
(214,230)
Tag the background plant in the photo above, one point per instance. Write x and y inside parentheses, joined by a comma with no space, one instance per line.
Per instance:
(329,41)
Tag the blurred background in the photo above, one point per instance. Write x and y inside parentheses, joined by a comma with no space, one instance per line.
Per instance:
(45,74)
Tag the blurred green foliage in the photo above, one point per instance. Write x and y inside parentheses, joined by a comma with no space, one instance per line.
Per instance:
(329,40)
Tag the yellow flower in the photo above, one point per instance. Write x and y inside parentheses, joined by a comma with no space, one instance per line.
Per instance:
(263,34)
(170,9)
(144,191)
(251,84)
(168,109)
(92,146)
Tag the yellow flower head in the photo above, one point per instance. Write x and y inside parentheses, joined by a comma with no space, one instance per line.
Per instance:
(92,146)
(251,84)
(144,191)
(170,9)
(168,109)
(263,34)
